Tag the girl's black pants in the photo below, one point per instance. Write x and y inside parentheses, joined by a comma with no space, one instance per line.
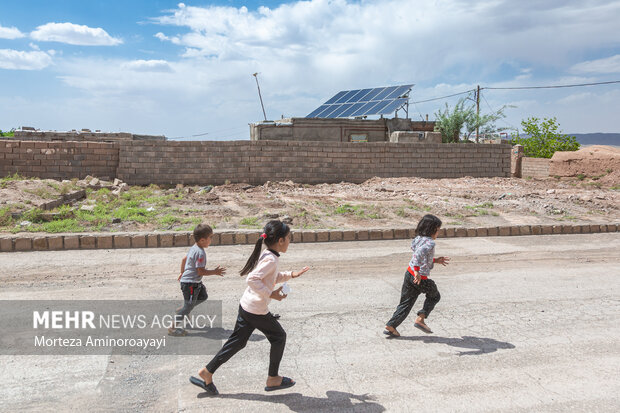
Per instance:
(409,293)
(246,323)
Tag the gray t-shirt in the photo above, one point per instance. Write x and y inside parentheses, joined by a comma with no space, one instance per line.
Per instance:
(196,258)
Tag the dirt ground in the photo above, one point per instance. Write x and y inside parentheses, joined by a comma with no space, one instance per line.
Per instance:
(376,203)
(525,324)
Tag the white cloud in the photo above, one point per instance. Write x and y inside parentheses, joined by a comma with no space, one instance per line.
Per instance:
(10,33)
(148,66)
(74,34)
(20,60)
(604,66)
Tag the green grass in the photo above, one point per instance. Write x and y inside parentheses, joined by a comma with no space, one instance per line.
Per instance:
(251,222)
(358,210)
(9,178)
(5,217)
(581,177)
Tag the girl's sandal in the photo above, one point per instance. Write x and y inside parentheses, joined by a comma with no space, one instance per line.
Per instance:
(209,388)
(393,333)
(423,327)
(286,383)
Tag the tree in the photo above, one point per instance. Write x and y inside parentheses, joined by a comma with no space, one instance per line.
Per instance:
(450,123)
(542,138)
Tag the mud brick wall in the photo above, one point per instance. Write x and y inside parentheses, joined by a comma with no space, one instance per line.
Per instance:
(58,160)
(535,167)
(255,162)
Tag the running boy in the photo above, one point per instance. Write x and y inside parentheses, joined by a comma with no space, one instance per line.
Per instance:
(193,268)
(416,277)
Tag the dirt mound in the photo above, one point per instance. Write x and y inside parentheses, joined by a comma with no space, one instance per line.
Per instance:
(592,161)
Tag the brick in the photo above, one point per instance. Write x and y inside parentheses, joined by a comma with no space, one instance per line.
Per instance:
(493,231)
(6,244)
(557,229)
(253,237)
(39,243)
(604,228)
(335,235)
(322,236)
(151,240)
(594,228)
(72,242)
(375,234)
(388,234)
(525,230)
(504,231)
(348,235)
(138,241)
(585,229)
(181,240)
(460,232)
(567,229)
(215,240)
(192,240)
(241,238)
(442,233)
(105,242)
(227,238)
(400,233)
(23,244)
(88,242)
(450,232)
(546,229)
(482,232)
(536,230)
(471,232)
(514,230)
(363,235)
(309,236)
(122,241)
(412,233)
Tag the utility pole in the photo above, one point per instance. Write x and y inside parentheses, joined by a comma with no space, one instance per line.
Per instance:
(477,113)
(259,95)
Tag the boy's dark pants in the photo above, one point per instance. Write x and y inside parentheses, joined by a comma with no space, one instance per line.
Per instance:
(193,294)
(246,323)
(409,294)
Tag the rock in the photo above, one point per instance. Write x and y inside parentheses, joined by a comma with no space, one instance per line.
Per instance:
(116,220)
(271,216)
(94,182)
(207,188)
(585,198)
(88,208)
(117,182)
(150,209)
(287,220)
(551,191)
(180,186)
(25,223)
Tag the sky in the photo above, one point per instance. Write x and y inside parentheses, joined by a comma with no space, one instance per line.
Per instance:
(185,69)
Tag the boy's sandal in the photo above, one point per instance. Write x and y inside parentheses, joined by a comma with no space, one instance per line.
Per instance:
(390,334)
(209,388)
(423,328)
(286,383)
(179,332)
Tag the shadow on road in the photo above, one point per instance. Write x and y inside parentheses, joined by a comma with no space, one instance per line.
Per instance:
(336,401)
(480,345)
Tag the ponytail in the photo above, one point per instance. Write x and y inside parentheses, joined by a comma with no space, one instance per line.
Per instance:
(249,266)
(273,231)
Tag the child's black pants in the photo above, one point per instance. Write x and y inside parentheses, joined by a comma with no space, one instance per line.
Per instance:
(409,294)
(193,294)
(246,323)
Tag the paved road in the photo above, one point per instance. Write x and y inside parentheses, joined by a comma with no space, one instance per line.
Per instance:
(524,324)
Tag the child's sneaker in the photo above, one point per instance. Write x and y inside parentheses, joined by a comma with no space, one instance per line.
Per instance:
(178,332)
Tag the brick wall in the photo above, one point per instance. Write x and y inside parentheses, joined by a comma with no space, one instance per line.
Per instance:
(535,167)
(255,162)
(58,160)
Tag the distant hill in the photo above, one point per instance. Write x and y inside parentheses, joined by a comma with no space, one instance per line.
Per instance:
(597,138)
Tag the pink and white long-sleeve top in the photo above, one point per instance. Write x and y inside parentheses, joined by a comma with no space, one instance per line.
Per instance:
(261,282)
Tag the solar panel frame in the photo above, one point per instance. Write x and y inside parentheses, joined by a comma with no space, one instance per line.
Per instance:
(362,102)
(394,105)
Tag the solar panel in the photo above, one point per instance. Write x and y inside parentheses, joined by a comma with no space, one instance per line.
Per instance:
(363,102)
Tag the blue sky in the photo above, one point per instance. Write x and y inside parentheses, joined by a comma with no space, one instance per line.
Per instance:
(183,69)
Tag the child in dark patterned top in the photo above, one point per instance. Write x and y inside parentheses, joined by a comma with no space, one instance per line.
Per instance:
(416,277)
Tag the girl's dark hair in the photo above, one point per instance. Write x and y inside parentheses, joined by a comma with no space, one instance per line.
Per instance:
(274,230)
(428,225)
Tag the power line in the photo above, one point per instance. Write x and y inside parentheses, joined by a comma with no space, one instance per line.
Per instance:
(443,97)
(552,87)
(520,88)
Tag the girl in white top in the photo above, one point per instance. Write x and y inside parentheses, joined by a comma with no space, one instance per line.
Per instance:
(263,275)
